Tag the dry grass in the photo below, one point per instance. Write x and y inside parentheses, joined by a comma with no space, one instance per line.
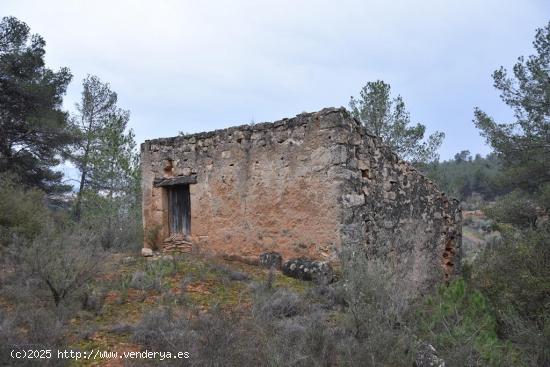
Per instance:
(192,283)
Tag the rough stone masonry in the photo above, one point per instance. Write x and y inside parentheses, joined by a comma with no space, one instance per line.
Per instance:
(302,187)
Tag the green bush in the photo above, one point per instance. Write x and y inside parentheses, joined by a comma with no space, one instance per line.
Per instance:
(63,262)
(460,324)
(116,220)
(515,277)
(472,179)
(516,208)
(23,213)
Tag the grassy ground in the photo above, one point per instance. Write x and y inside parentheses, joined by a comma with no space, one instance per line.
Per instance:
(134,285)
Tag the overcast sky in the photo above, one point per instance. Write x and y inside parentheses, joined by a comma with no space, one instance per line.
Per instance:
(201,65)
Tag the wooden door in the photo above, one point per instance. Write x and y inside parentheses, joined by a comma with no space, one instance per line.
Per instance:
(179,203)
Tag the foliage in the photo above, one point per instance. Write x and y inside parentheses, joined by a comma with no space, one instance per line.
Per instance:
(284,328)
(63,262)
(524,145)
(307,340)
(377,299)
(105,154)
(513,273)
(459,322)
(465,176)
(515,276)
(49,261)
(117,219)
(109,190)
(33,128)
(212,339)
(151,235)
(272,303)
(115,162)
(36,330)
(153,276)
(516,208)
(389,119)
(543,198)
(23,214)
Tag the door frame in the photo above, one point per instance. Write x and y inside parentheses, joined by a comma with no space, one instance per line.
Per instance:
(179,205)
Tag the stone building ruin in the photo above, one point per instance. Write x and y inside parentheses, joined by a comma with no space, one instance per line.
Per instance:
(302,187)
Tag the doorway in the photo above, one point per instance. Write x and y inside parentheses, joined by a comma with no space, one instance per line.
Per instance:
(179,210)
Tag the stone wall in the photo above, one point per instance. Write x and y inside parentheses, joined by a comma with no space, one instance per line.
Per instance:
(303,187)
(263,187)
(397,213)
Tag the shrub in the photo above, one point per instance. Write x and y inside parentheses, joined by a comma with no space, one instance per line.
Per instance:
(160,329)
(63,262)
(305,340)
(212,339)
(23,213)
(473,202)
(378,293)
(39,329)
(460,324)
(93,300)
(116,220)
(292,329)
(151,235)
(516,208)
(279,304)
(514,275)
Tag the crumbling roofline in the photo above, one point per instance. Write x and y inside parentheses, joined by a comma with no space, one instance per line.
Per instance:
(287,122)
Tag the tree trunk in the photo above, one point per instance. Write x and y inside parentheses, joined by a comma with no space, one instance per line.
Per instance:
(84,165)
(78,205)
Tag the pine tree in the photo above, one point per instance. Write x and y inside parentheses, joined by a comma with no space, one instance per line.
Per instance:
(389,119)
(33,128)
(524,144)
(105,154)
